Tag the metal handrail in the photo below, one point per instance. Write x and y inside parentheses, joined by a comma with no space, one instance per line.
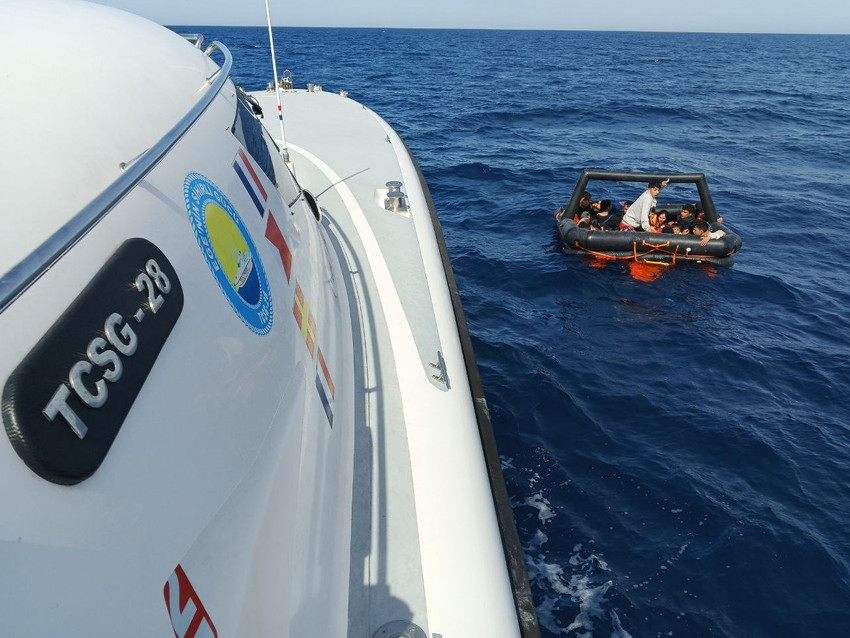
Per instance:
(26,272)
(196,38)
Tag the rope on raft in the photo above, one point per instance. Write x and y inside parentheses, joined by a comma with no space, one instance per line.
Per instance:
(642,256)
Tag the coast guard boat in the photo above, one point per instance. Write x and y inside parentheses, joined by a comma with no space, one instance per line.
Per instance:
(238,391)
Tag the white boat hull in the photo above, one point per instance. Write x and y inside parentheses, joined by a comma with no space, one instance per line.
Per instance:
(302,454)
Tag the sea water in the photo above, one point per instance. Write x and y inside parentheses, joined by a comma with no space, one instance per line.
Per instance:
(676,441)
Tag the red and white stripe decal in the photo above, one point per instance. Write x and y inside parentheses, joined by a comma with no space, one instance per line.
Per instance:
(188,616)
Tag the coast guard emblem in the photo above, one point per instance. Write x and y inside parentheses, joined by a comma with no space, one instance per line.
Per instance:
(229,252)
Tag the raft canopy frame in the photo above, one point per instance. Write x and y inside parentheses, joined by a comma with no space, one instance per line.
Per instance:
(587,175)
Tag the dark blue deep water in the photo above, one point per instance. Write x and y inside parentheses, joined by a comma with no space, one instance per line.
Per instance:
(677,445)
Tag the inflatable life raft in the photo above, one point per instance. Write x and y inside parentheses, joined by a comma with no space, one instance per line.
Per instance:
(665,248)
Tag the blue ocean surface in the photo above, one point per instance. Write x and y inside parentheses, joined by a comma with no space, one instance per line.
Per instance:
(676,442)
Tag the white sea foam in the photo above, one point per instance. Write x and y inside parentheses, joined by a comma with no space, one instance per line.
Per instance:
(590,601)
(584,580)
(544,510)
(538,540)
(618,632)
(586,585)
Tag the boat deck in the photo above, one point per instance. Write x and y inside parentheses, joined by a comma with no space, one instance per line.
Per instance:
(422,501)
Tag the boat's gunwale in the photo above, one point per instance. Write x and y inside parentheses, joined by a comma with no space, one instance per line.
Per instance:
(514,557)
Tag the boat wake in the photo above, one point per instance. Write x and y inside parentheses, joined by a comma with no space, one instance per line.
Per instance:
(580,588)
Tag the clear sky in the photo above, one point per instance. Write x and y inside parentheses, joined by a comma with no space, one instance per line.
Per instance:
(731,16)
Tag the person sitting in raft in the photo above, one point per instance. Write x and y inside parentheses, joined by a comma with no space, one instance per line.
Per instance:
(609,217)
(667,223)
(700,213)
(661,222)
(601,213)
(637,217)
(584,204)
(611,221)
(703,231)
(583,207)
(687,217)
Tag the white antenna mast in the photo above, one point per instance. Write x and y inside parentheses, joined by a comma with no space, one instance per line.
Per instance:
(284,151)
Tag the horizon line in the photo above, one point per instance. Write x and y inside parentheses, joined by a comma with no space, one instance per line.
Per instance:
(302,26)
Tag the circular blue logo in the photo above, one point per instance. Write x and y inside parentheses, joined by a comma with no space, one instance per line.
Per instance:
(229,252)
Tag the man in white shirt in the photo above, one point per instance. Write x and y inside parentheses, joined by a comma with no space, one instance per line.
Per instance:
(637,217)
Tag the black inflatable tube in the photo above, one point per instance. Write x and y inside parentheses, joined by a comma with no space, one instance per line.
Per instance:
(665,247)
(725,262)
